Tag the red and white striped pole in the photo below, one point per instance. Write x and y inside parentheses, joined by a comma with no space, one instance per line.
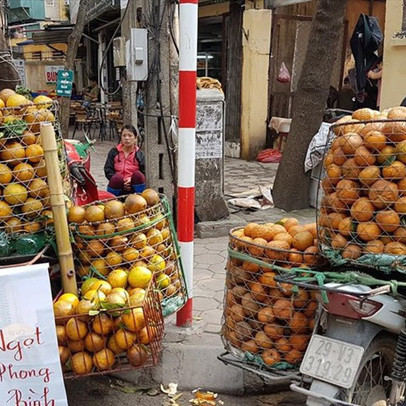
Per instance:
(188,18)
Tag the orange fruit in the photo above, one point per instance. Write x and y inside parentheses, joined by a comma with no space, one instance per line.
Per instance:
(346,226)
(339,157)
(95,248)
(402,187)
(17,100)
(362,209)
(113,209)
(125,338)
(369,175)
(335,204)
(135,204)
(23,172)
(29,138)
(395,131)
(311,256)
(376,246)
(334,220)
(363,157)
(13,153)
(5,174)
(113,259)
(271,357)
(5,94)
(137,355)
(277,250)
(104,359)
(32,208)
(375,141)
(151,197)
(352,252)
(395,248)
(350,169)
(386,153)
(338,242)
(290,222)
(13,225)
(76,214)
(34,153)
(39,189)
(383,193)
(102,324)
(125,224)
(368,231)
(293,356)
(387,220)
(299,341)
(94,214)
(347,191)
(334,174)
(76,329)
(364,114)
(400,205)
(350,142)
(396,170)
(298,323)
(94,342)
(134,319)
(82,363)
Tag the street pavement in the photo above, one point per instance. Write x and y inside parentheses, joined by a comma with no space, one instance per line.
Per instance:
(105,391)
(190,355)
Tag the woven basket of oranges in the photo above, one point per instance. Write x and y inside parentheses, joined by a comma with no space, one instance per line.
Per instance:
(266,321)
(362,215)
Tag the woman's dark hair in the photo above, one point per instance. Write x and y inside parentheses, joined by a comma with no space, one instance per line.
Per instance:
(131,128)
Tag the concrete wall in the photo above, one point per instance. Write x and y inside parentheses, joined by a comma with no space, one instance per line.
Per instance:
(254,94)
(35,74)
(394,72)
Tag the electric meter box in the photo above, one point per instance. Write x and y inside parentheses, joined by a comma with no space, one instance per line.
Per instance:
(119,52)
(137,55)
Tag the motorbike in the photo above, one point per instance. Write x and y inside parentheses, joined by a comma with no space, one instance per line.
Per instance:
(84,186)
(357,353)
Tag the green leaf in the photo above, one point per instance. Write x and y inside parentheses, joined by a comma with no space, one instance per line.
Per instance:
(93,312)
(111,306)
(390,160)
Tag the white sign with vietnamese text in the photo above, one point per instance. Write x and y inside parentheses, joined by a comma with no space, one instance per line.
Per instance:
(51,73)
(30,371)
(19,64)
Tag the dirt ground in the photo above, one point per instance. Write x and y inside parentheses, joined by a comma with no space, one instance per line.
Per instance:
(106,391)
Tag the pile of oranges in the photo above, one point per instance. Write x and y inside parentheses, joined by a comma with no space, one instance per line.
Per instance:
(262,317)
(120,237)
(364,188)
(25,197)
(108,328)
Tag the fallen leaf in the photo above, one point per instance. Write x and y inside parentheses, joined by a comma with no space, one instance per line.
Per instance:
(171,390)
(152,392)
(125,389)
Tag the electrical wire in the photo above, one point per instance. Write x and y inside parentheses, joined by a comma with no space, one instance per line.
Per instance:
(3,59)
(174,5)
(106,51)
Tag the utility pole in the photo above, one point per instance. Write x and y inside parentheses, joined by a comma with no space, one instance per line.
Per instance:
(9,76)
(129,87)
(154,16)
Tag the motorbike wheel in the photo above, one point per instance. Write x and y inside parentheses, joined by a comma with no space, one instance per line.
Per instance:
(370,387)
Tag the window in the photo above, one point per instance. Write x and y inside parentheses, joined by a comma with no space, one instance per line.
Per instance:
(37,55)
(50,3)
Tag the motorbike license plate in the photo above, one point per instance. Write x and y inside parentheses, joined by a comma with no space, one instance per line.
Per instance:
(332,361)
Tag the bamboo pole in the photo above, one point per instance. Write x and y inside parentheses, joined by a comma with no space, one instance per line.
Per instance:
(58,209)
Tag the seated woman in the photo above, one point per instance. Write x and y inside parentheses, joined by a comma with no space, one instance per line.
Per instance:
(125,164)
